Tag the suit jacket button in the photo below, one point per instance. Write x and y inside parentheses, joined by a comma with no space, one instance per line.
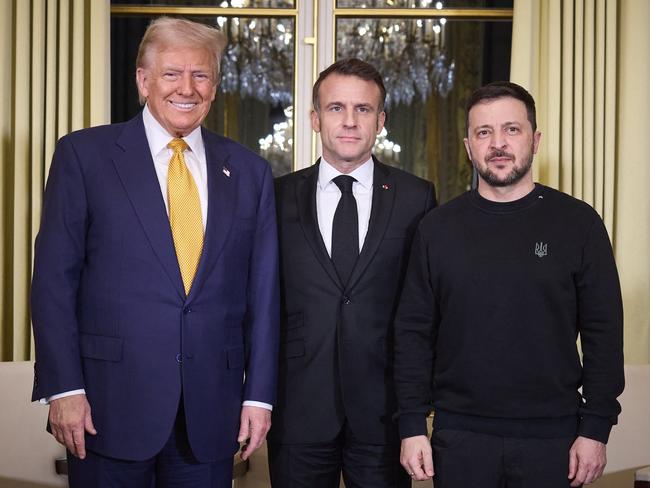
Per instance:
(179,358)
(187,310)
(347,301)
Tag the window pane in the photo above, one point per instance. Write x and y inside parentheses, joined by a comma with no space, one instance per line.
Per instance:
(254,104)
(424,3)
(211,3)
(429,70)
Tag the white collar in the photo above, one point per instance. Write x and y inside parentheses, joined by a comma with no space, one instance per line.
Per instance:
(363,174)
(158,137)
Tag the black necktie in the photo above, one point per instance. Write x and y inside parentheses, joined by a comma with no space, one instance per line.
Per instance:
(345,230)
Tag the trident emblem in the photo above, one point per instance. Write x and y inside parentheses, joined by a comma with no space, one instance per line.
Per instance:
(541,249)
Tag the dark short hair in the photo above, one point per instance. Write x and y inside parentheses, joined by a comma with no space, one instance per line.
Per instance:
(502,89)
(351,67)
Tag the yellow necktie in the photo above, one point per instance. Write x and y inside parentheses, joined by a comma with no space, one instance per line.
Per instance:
(184,213)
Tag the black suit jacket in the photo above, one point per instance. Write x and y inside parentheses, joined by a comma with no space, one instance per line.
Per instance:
(336,341)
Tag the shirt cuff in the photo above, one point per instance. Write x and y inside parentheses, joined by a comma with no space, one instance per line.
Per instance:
(47,400)
(252,403)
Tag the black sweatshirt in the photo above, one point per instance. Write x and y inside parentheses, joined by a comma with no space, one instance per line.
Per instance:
(494,299)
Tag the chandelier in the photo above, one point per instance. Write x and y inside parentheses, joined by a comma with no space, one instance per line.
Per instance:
(409,53)
(258,61)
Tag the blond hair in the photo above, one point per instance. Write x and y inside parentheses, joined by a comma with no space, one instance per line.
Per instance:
(166,32)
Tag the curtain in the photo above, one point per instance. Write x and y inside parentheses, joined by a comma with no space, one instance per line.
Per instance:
(586,64)
(57,52)
(632,218)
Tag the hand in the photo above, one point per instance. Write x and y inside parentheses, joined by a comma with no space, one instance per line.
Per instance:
(416,457)
(587,460)
(255,422)
(69,420)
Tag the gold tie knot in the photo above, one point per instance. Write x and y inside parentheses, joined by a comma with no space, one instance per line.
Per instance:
(177,145)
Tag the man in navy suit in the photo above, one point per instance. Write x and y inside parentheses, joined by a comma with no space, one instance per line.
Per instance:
(150,369)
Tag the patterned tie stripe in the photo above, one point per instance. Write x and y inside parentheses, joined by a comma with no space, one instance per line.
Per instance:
(184,213)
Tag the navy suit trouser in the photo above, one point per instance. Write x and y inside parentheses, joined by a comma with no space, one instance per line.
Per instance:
(173,467)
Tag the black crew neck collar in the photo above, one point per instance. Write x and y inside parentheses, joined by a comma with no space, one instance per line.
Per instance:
(536,195)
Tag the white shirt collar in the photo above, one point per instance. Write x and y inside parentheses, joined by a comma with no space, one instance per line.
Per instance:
(363,174)
(158,137)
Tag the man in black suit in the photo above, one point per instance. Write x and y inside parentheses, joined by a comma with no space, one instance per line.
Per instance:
(345,227)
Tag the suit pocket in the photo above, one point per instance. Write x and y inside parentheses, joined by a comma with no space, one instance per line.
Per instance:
(235,357)
(101,347)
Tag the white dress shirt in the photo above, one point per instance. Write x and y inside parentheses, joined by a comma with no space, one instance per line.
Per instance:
(158,138)
(328,196)
(195,159)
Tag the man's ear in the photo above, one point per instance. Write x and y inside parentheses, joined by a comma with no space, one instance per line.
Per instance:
(141,80)
(381,119)
(215,87)
(315,121)
(537,136)
(469,151)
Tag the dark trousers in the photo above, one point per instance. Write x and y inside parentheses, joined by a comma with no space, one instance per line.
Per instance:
(173,467)
(320,465)
(463,459)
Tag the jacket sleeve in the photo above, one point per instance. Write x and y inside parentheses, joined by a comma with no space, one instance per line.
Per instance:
(600,323)
(58,263)
(263,313)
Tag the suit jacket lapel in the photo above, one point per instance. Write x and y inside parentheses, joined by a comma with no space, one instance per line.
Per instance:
(383,196)
(306,202)
(138,175)
(223,182)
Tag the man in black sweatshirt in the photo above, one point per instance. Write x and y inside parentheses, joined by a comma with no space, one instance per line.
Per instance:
(501,282)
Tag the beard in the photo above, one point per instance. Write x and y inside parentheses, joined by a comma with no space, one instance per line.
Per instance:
(516,173)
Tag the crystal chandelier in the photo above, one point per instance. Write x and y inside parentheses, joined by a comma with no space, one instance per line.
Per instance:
(258,61)
(409,53)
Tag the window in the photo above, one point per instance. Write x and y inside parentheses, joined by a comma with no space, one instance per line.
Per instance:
(432,56)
